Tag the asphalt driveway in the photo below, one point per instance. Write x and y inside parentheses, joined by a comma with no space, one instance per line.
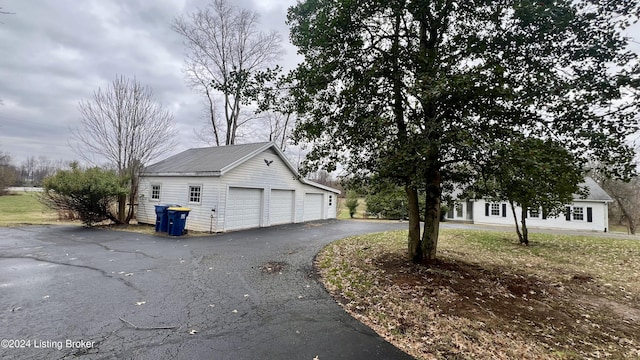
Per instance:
(69,292)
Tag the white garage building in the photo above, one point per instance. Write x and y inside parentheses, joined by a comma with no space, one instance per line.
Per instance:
(234,187)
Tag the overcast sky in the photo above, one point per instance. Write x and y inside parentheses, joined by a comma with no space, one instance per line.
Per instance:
(55,53)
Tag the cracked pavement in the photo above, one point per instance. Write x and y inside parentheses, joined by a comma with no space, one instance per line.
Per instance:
(241,295)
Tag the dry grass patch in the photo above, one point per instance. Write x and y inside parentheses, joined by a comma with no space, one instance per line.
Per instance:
(563,297)
(146,229)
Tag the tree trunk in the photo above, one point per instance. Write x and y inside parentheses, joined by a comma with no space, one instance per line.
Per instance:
(415,251)
(133,194)
(431,216)
(515,219)
(525,232)
(625,213)
(228,118)
(122,208)
(523,236)
(283,142)
(212,116)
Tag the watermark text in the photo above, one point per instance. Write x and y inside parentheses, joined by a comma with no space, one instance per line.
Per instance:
(46,344)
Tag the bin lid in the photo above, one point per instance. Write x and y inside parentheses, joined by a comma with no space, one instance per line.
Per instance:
(175,208)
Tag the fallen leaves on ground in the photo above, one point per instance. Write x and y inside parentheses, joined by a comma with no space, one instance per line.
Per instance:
(489,298)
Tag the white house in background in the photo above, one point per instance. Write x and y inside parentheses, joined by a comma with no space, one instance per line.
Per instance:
(590,214)
(234,187)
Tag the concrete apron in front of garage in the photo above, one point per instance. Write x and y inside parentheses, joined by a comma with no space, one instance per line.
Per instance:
(71,291)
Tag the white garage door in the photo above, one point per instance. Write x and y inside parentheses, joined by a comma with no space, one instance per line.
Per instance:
(281,207)
(312,207)
(244,208)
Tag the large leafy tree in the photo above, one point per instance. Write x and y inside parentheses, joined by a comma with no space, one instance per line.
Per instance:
(416,91)
(534,174)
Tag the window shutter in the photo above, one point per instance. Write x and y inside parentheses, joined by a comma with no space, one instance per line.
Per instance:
(544,214)
(486,209)
(504,210)
(589,214)
(567,213)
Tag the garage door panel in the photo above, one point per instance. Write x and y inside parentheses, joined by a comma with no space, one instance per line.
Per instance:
(281,207)
(244,208)
(312,207)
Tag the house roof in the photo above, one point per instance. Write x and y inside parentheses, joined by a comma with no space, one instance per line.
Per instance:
(217,160)
(206,161)
(596,193)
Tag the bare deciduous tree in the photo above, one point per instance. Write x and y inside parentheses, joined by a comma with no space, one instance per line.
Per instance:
(280,127)
(34,170)
(8,172)
(225,51)
(124,125)
(626,201)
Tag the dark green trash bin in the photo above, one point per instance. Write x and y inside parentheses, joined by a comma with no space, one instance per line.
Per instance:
(177,220)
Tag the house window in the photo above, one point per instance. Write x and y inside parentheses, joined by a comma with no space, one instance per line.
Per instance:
(155,192)
(330,200)
(534,213)
(578,213)
(495,209)
(194,193)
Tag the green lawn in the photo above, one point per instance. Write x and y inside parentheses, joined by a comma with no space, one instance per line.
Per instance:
(343,211)
(24,208)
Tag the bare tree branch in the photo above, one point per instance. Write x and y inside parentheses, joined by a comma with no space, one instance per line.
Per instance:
(222,40)
(125,126)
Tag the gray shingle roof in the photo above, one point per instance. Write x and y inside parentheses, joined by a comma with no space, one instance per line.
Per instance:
(215,161)
(595,191)
(209,160)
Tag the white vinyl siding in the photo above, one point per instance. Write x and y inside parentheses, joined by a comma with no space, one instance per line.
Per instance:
(252,174)
(276,176)
(597,211)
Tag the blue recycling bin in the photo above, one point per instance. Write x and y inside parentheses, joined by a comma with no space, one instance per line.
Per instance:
(162,217)
(177,220)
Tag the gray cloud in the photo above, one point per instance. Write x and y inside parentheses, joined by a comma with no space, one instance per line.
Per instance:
(56,53)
